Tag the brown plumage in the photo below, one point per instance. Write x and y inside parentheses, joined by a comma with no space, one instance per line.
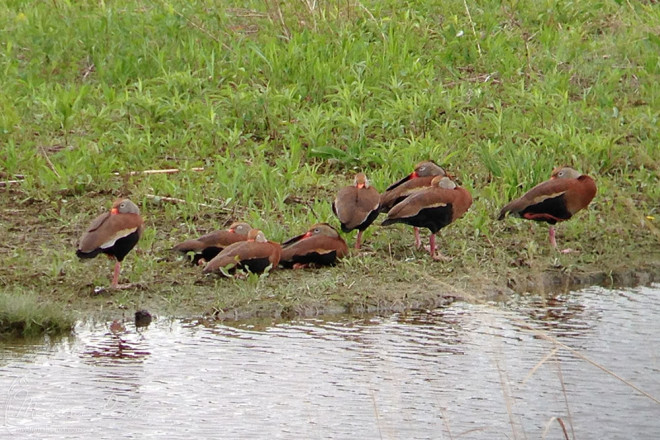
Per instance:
(114,233)
(356,206)
(433,208)
(320,245)
(416,181)
(555,200)
(207,246)
(255,255)
(419,179)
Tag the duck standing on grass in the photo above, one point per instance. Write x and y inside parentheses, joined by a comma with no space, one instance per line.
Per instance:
(114,233)
(321,245)
(555,200)
(416,181)
(356,206)
(433,208)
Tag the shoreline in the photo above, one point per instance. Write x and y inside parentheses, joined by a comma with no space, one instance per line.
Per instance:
(548,283)
(387,276)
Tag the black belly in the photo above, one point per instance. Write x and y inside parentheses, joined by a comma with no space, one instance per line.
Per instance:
(207,254)
(550,211)
(364,225)
(118,250)
(123,246)
(254,265)
(325,259)
(432,219)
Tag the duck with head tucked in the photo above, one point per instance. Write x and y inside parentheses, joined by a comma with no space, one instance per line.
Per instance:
(356,206)
(433,208)
(206,247)
(416,181)
(256,255)
(321,245)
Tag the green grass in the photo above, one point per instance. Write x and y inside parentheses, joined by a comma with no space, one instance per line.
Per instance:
(23,314)
(281,108)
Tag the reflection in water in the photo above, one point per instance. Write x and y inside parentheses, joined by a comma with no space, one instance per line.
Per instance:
(119,347)
(563,314)
(462,371)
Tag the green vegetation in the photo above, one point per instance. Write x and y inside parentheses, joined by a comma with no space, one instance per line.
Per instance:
(22,314)
(281,102)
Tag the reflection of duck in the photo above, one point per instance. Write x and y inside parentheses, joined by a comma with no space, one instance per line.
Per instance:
(116,346)
(117,367)
(117,327)
(563,315)
(445,327)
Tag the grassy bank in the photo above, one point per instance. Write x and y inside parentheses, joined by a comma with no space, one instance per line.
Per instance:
(281,103)
(23,314)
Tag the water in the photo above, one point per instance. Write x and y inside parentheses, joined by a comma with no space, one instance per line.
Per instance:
(463,371)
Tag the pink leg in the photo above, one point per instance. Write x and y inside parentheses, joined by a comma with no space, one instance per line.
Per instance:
(436,256)
(115,278)
(358,240)
(553,242)
(418,241)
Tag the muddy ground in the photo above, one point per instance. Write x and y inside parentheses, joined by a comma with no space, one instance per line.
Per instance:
(38,255)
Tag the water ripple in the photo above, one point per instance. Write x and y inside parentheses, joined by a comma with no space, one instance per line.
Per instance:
(468,371)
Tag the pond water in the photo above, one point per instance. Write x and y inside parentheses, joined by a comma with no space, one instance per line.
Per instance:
(498,371)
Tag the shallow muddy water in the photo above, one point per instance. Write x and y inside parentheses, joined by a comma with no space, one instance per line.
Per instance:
(493,371)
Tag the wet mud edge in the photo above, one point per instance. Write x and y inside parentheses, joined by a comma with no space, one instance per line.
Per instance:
(549,282)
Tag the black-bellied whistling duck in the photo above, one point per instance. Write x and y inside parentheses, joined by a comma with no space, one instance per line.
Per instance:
(255,255)
(321,245)
(433,208)
(356,206)
(114,233)
(208,246)
(555,200)
(416,181)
